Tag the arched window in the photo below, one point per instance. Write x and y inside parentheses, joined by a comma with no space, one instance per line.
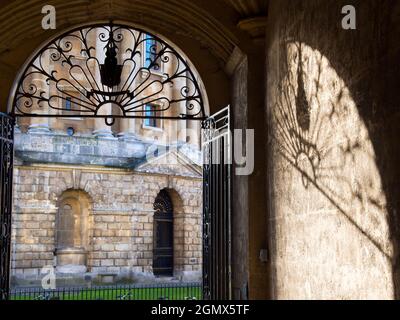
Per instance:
(163,235)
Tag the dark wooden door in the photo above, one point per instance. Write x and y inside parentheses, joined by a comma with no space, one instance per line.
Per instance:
(163,236)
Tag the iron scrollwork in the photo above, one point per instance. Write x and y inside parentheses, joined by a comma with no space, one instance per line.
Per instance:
(78,73)
(163,205)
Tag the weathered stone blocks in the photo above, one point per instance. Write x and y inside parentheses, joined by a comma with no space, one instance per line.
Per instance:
(119,226)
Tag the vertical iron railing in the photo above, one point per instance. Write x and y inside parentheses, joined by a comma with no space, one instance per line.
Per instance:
(154,291)
(6,173)
(217,168)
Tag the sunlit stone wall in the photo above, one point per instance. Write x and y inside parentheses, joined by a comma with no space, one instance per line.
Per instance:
(118,222)
(328,212)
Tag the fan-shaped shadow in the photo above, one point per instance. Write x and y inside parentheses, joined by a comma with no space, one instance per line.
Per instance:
(316,127)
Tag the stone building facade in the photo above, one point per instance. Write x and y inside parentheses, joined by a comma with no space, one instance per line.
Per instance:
(84,198)
(118,221)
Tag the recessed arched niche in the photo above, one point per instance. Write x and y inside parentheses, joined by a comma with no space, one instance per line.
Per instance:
(71,236)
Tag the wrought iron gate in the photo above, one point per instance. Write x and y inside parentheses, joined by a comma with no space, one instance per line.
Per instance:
(217,206)
(6,173)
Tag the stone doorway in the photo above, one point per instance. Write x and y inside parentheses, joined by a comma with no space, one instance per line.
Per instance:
(163,235)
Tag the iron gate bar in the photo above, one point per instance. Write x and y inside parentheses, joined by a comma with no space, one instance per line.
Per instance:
(6,174)
(65,52)
(216,209)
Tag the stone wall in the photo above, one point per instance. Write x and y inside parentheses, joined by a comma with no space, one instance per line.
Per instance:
(120,220)
(333,150)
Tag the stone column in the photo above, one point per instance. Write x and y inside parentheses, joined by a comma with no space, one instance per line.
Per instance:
(40,125)
(101,129)
(127,129)
(182,124)
(127,126)
(17,129)
(247,213)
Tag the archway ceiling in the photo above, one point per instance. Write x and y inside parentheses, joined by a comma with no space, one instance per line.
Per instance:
(213,24)
(249,8)
(209,25)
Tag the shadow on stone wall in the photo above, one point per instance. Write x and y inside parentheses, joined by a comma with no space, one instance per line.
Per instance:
(340,131)
(321,134)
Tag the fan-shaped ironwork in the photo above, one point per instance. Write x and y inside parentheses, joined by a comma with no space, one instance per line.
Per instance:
(83,70)
(163,204)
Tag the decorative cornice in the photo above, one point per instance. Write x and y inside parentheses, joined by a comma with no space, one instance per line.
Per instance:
(255,27)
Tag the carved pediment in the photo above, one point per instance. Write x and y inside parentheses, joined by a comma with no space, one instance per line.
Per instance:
(173,162)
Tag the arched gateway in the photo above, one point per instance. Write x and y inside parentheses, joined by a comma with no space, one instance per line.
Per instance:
(111,71)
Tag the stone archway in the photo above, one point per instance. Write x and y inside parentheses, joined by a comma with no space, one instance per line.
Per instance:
(41,76)
(207,33)
(186,252)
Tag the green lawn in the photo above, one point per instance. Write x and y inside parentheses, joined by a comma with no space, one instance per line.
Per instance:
(113,293)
